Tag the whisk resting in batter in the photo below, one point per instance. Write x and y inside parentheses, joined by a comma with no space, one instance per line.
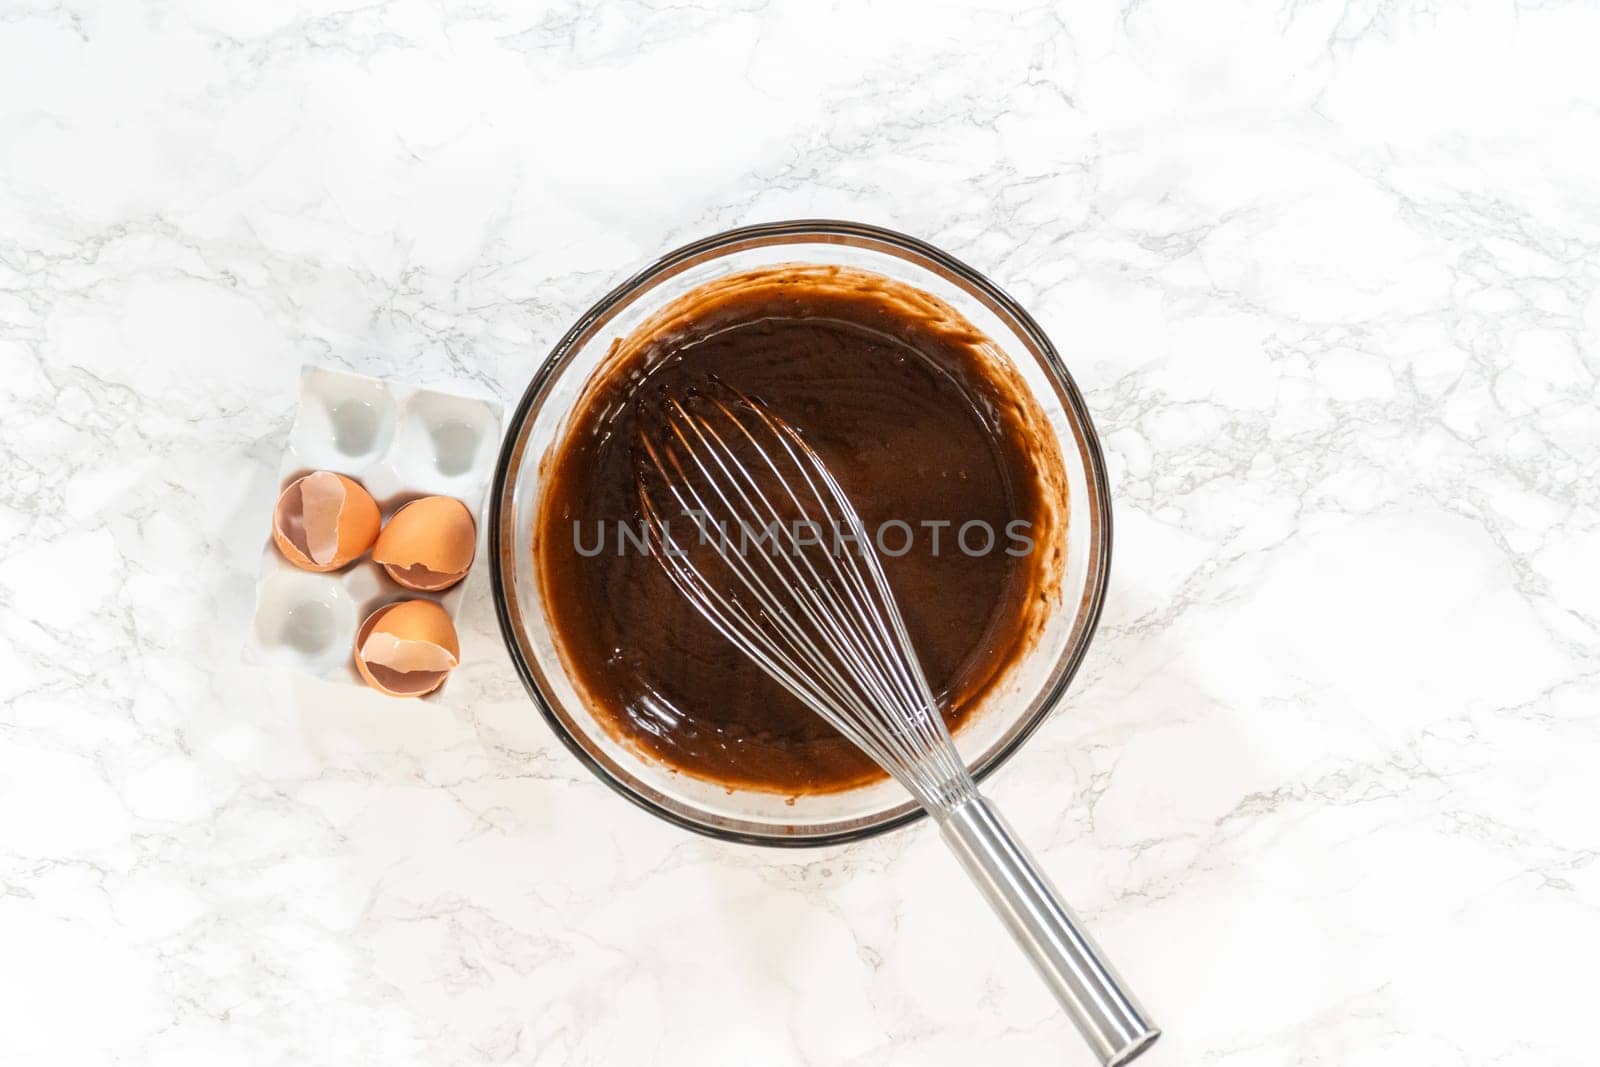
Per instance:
(778,561)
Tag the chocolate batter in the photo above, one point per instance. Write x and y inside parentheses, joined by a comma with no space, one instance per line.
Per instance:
(920,421)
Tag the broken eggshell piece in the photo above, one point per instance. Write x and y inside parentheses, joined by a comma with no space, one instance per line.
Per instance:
(428,544)
(407,649)
(323,521)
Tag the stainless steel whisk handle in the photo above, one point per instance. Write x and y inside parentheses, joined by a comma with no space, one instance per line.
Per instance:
(1109,1019)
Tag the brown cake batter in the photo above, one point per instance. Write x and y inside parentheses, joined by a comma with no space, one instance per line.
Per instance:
(920,422)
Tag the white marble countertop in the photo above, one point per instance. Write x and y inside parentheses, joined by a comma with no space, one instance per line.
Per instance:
(1328,274)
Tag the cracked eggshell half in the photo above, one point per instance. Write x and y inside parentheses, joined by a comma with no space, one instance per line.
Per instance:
(323,521)
(428,545)
(407,649)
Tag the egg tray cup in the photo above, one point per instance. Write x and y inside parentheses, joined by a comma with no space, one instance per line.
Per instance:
(401,443)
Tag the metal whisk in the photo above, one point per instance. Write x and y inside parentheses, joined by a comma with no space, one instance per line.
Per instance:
(780,563)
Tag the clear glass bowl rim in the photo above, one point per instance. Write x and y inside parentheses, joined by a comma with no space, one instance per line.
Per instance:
(507,469)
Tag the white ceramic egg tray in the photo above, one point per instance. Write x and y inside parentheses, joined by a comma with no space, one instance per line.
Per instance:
(401,443)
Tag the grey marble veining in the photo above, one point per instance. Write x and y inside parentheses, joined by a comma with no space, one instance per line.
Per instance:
(1328,274)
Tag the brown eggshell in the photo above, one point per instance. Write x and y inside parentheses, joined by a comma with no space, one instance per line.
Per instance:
(428,544)
(407,649)
(323,521)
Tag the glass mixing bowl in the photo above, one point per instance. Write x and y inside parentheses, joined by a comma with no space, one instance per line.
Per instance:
(1011,711)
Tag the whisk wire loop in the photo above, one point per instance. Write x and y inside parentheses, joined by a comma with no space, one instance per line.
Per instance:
(822,622)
